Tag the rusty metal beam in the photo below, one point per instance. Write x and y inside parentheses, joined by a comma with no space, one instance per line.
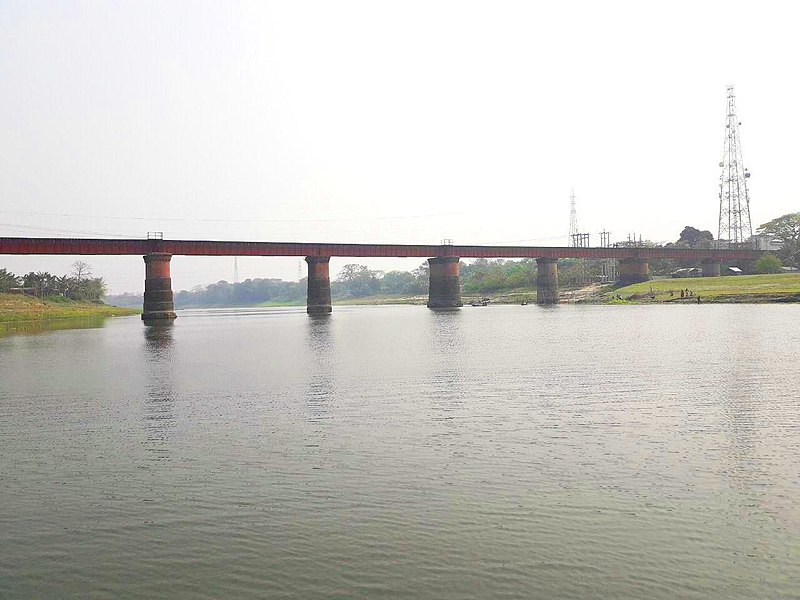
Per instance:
(69,246)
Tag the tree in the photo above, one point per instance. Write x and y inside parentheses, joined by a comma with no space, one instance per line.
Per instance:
(422,278)
(44,284)
(8,280)
(95,288)
(769,263)
(81,270)
(41,284)
(786,230)
(358,281)
(397,282)
(351,273)
(63,285)
(694,238)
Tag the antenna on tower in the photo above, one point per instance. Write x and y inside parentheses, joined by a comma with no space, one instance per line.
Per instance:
(734,199)
(235,269)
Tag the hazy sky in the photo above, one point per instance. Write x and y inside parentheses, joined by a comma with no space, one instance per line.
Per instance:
(394,122)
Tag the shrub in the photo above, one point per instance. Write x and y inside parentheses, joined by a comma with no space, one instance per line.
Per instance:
(768,264)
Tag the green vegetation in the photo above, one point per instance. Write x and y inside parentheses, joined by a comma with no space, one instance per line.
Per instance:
(784,287)
(768,264)
(279,303)
(16,308)
(252,292)
(383,299)
(786,231)
(80,285)
(514,281)
(34,327)
(42,296)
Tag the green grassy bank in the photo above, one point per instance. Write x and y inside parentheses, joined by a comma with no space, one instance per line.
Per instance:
(784,287)
(516,296)
(17,308)
(380,299)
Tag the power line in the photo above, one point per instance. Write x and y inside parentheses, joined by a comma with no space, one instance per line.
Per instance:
(58,230)
(197,220)
(540,239)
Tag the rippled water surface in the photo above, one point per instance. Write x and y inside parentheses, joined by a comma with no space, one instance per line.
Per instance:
(395,452)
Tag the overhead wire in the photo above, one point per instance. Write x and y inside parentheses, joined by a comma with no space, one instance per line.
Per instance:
(16,226)
(391,231)
(201,220)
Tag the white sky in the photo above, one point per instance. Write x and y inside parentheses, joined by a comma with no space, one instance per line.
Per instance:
(393,122)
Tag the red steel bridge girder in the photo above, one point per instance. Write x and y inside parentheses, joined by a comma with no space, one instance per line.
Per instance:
(72,246)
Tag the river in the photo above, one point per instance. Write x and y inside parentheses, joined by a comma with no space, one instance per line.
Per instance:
(396,452)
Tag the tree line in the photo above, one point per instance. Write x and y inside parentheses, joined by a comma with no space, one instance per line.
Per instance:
(480,276)
(79,285)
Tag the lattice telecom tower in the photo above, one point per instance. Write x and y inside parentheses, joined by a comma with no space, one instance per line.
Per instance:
(576,238)
(734,200)
(573,221)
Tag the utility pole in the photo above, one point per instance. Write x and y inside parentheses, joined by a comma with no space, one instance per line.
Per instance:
(734,199)
(607,265)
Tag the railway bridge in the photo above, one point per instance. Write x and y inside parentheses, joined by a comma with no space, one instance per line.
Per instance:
(444,290)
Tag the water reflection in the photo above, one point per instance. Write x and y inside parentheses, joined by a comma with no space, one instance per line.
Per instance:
(441,476)
(445,331)
(447,346)
(159,407)
(322,372)
(741,395)
(158,341)
(34,327)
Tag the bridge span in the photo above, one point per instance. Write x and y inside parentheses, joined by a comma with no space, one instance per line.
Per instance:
(444,290)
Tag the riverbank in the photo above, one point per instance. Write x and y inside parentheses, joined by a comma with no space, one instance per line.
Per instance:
(381,300)
(16,308)
(744,289)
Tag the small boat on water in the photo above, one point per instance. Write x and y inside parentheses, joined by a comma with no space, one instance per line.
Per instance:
(481,302)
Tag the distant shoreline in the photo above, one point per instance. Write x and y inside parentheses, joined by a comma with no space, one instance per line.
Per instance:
(738,289)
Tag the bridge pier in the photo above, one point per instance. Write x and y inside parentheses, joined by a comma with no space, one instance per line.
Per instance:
(633,270)
(159,308)
(712,268)
(318,299)
(444,290)
(546,281)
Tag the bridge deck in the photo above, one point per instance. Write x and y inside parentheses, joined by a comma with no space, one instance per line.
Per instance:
(72,246)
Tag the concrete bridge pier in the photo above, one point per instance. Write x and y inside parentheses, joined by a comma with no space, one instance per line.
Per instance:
(547,281)
(444,290)
(633,270)
(712,268)
(158,303)
(318,300)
